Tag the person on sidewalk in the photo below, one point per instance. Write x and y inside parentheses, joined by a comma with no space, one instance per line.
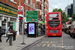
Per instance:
(1,33)
(14,35)
(14,32)
(25,31)
(7,33)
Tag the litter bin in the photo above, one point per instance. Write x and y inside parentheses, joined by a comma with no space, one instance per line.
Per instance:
(10,42)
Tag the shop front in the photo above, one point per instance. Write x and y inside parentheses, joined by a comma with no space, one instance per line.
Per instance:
(8,14)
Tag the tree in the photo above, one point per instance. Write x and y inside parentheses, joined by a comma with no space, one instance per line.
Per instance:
(73,17)
(55,10)
(63,14)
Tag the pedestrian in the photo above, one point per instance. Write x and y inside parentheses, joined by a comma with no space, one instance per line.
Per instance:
(7,32)
(1,33)
(25,31)
(14,34)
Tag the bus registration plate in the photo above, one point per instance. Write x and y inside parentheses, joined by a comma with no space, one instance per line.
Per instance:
(54,31)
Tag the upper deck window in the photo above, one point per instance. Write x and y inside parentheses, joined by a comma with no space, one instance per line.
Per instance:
(53,15)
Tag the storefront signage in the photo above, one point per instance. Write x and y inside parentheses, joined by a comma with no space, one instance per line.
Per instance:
(8,10)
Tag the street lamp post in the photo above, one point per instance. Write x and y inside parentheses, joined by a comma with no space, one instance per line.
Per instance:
(44,14)
(23,26)
(23,21)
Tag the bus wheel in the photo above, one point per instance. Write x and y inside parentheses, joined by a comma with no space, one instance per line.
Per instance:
(60,36)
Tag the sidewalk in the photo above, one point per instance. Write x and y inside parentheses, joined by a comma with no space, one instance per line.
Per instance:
(16,45)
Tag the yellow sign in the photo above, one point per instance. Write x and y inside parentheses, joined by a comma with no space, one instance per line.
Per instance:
(54,34)
(4,9)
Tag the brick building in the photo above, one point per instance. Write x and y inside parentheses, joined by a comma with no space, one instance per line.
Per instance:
(9,8)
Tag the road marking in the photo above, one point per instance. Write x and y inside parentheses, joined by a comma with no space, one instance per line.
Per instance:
(43,45)
(51,41)
(62,46)
(17,35)
(53,45)
(47,42)
(48,45)
(62,40)
(62,43)
(42,42)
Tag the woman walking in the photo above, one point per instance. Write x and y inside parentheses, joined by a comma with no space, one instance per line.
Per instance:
(11,31)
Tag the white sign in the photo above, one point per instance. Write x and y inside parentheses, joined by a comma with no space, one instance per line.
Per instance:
(20,7)
(0,23)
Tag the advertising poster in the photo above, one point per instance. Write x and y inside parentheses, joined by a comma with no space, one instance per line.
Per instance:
(31,28)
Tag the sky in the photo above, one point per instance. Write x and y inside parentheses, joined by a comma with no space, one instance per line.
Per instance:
(59,4)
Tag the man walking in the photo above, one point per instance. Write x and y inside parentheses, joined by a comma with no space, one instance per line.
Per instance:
(7,32)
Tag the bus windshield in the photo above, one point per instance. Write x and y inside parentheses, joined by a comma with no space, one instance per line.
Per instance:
(53,15)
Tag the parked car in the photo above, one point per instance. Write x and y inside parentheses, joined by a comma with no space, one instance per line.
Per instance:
(72,30)
(65,27)
(68,28)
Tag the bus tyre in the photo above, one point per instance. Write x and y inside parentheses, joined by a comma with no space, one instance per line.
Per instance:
(60,36)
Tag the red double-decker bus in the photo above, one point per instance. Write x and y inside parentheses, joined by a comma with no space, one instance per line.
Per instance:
(54,24)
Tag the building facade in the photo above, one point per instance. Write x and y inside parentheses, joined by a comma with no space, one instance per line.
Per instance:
(69,10)
(73,6)
(8,14)
(9,9)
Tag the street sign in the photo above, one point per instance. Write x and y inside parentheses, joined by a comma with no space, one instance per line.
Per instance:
(32,16)
(20,10)
(20,7)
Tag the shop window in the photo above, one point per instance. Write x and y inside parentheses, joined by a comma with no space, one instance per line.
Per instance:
(13,1)
(13,19)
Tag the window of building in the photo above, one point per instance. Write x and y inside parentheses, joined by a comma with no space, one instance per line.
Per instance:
(13,1)
(40,6)
(27,1)
(37,6)
(33,4)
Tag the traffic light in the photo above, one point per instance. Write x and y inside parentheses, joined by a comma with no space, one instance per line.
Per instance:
(20,19)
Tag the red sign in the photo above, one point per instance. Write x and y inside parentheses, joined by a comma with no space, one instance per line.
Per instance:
(23,4)
(20,12)
(20,8)
(32,19)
